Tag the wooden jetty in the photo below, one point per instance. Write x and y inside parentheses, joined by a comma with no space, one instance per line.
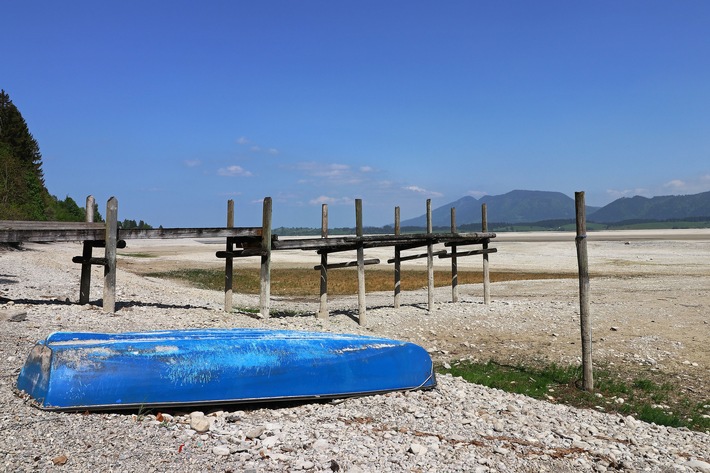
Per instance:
(258,241)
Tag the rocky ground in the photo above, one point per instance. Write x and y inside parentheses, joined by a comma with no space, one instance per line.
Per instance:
(650,304)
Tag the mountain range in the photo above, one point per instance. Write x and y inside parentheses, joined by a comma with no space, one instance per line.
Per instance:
(524,206)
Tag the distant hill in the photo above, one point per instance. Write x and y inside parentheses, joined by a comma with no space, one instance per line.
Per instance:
(518,206)
(522,206)
(667,207)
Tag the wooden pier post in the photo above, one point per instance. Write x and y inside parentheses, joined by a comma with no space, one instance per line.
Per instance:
(265,293)
(85,284)
(360,264)
(583,264)
(397,262)
(429,258)
(111,239)
(228,260)
(486,274)
(454,261)
(323,309)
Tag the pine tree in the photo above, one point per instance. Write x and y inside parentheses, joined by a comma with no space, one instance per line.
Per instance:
(23,194)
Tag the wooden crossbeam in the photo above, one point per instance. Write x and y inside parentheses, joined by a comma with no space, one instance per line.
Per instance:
(91,260)
(423,255)
(240,253)
(468,253)
(348,264)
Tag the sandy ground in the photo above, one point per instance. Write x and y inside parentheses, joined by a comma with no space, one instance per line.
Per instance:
(650,298)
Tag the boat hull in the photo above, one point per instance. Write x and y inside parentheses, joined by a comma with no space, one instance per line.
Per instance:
(84,371)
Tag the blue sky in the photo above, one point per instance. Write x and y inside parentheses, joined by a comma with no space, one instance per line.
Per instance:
(177,106)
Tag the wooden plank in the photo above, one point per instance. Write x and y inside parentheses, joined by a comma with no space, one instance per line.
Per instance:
(90,260)
(265,285)
(110,267)
(486,273)
(85,281)
(46,235)
(102,243)
(348,264)
(468,253)
(46,225)
(240,253)
(323,305)
(12,231)
(360,266)
(397,262)
(584,318)
(229,260)
(454,261)
(412,257)
(167,233)
(429,259)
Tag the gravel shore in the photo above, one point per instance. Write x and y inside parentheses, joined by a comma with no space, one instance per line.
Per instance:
(456,427)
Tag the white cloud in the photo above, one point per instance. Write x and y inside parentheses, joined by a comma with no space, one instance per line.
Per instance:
(366,169)
(324,199)
(676,184)
(422,191)
(477,194)
(191,163)
(273,151)
(242,140)
(255,149)
(329,171)
(619,193)
(693,185)
(233,170)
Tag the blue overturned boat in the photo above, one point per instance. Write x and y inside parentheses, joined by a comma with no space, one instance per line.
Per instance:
(97,371)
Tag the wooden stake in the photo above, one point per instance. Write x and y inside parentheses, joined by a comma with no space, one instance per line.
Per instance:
(454,262)
(265,294)
(228,260)
(85,284)
(323,309)
(360,264)
(110,255)
(397,262)
(583,264)
(429,259)
(486,275)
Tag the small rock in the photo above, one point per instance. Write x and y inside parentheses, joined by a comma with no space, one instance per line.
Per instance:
(417,449)
(60,460)
(698,465)
(321,444)
(256,432)
(270,442)
(199,423)
(221,450)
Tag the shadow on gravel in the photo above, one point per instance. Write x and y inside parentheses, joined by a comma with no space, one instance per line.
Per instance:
(99,303)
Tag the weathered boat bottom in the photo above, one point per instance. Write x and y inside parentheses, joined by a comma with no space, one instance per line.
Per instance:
(99,371)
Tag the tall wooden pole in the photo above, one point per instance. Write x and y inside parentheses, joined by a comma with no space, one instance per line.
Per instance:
(584,318)
(454,262)
(110,254)
(397,262)
(85,284)
(323,310)
(265,293)
(429,259)
(360,264)
(229,261)
(486,274)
